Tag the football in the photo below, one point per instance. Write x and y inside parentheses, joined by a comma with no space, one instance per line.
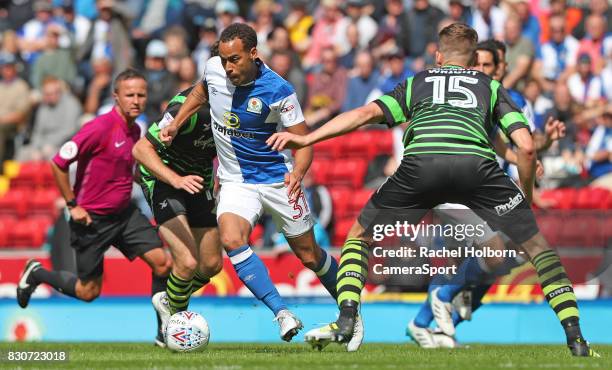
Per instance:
(187,331)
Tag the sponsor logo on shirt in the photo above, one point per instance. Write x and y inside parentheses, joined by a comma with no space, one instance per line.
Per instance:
(231,120)
(232,132)
(69,150)
(203,142)
(502,209)
(288,108)
(255,105)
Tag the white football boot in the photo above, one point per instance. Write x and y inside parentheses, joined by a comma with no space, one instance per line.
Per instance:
(422,336)
(442,313)
(289,324)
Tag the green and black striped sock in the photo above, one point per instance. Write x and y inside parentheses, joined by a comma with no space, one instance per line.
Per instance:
(198,282)
(353,270)
(178,291)
(557,289)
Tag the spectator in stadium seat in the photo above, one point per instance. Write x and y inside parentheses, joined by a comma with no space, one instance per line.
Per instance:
(326,33)
(207,37)
(54,61)
(458,12)
(99,90)
(175,39)
(361,85)
(187,73)
(76,25)
(599,153)
(392,30)
(594,41)
(352,38)
(109,37)
(10,45)
(586,87)
(558,8)
(366,26)
(519,55)
(327,91)
(14,104)
(162,84)
(557,57)
(283,63)
(530,23)
(264,23)
(32,35)
(595,7)
(279,41)
(55,120)
(488,20)
(397,71)
(299,24)
(227,13)
(423,20)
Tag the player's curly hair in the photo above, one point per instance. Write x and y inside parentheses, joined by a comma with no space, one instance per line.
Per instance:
(240,31)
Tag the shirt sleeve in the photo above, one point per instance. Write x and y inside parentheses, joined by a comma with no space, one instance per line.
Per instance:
(153,133)
(83,143)
(288,110)
(396,104)
(505,111)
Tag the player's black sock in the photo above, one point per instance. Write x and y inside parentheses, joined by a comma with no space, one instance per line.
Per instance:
(178,291)
(198,282)
(353,271)
(558,291)
(62,281)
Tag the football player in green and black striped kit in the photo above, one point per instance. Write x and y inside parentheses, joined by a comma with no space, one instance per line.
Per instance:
(448,157)
(178,183)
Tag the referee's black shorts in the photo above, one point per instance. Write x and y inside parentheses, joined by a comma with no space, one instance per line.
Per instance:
(423,181)
(129,231)
(167,202)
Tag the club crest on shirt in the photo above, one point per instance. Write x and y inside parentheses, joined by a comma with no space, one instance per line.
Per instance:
(255,105)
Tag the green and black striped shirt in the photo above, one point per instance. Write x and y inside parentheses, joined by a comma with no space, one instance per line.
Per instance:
(192,150)
(451,110)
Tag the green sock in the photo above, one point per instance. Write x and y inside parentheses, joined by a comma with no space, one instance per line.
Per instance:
(557,287)
(178,291)
(198,282)
(353,270)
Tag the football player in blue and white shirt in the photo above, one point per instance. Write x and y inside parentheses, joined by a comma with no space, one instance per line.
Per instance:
(249,102)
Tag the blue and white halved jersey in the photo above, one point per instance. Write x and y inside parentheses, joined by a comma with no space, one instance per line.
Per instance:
(244,117)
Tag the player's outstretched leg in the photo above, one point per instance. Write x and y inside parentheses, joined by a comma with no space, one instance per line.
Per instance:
(34,274)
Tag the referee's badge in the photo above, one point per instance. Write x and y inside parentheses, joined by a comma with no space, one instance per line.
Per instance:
(255,105)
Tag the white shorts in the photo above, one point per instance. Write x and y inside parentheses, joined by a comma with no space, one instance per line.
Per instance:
(249,201)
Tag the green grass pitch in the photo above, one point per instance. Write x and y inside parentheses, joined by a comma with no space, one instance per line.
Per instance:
(300,356)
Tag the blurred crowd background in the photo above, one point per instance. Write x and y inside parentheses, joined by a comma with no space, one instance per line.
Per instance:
(58,59)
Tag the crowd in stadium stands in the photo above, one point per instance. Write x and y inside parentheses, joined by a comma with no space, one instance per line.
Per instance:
(58,58)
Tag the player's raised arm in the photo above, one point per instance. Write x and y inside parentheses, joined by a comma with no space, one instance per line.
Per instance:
(341,124)
(196,98)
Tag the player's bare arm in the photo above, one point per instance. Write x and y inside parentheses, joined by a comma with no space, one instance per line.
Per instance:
(340,125)
(196,98)
(303,159)
(526,155)
(144,152)
(503,150)
(553,131)
(62,179)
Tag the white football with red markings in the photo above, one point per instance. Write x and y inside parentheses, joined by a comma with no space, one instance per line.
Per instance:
(187,331)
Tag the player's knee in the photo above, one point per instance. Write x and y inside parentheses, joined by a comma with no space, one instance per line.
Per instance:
(186,266)
(89,293)
(231,241)
(308,256)
(212,266)
(161,269)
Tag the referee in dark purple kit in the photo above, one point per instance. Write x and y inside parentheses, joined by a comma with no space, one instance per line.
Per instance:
(101,212)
